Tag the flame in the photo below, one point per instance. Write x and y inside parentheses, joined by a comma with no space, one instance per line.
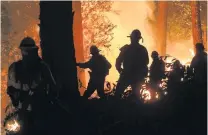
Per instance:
(192,52)
(13,126)
(146,95)
(37,29)
(169,69)
(168,60)
(161,85)
(157,95)
(188,60)
(182,79)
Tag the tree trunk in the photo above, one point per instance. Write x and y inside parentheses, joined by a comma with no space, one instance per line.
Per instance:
(162,26)
(56,34)
(205,37)
(78,42)
(196,23)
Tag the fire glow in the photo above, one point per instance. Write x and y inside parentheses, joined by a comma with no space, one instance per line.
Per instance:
(12,126)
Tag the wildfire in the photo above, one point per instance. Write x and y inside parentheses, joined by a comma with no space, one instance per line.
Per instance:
(169,69)
(13,126)
(157,95)
(168,60)
(192,52)
(146,95)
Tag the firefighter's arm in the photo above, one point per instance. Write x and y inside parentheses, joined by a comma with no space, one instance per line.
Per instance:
(119,61)
(193,63)
(107,63)
(146,57)
(120,58)
(85,65)
(13,87)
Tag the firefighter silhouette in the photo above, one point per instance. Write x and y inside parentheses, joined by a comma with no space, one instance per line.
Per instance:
(134,58)
(30,83)
(199,64)
(99,67)
(157,71)
(157,68)
(177,73)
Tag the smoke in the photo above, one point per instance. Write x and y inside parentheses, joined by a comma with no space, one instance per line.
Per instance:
(181,50)
(132,15)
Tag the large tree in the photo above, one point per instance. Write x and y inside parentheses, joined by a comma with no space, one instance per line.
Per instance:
(56,34)
(162,26)
(78,43)
(196,22)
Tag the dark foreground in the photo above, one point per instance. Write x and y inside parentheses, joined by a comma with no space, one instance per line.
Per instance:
(181,112)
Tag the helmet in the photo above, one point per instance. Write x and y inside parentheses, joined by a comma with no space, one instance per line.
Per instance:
(136,34)
(94,49)
(155,54)
(28,43)
(199,46)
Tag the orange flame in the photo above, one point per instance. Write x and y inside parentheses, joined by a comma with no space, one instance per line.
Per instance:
(192,52)
(13,126)
(146,95)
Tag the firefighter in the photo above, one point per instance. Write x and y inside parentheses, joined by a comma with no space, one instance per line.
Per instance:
(99,67)
(199,64)
(177,73)
(30,83)
(157,68)
(134,58)
(157,71)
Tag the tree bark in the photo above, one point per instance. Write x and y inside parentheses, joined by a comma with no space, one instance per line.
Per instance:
(196,23)
(162,26)
(205,37)
(56,34)
(78,42)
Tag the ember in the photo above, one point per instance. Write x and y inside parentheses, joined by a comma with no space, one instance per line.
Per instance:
(146,95)
(12,126)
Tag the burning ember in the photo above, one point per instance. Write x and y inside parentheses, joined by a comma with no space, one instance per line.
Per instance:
(146,95)
(157,95)
(12,126)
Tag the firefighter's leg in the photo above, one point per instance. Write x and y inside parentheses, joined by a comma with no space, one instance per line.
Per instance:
(100,87)
(122,84)
(90,89)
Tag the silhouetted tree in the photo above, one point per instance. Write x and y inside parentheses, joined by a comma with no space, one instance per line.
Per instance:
(56,34)
(162,26)
(196,22)
(78,42)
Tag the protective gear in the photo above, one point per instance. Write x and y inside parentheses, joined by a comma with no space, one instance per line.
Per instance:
(30,92)
(157,68)
(135,59)
(99,66)
(136,35)
(199,65)
(28,43)
(94,49)
(199,46)
(154,54)
(23,82)
(177,73)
